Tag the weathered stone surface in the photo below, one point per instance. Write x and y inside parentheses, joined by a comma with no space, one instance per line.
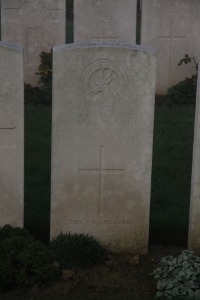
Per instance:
(38,25)
(194,221)
(172,28)
(11,135)
(103,108)
(102,20)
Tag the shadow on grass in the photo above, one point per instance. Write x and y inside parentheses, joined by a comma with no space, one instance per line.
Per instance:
(37,170)
(171,172)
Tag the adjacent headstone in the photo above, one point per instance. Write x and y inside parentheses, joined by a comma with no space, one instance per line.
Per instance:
(103,112)
(172,28)
(194,223)
(11,135)
(103,20)
(38,25)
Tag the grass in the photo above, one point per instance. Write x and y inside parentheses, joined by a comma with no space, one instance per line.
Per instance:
(38,164)
(37,170)
(172,158)
(35,296)
(69,32)
(171,173)
(63,297)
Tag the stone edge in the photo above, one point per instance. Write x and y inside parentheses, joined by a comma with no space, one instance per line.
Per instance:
(83,45)
(13,46)
(194,175)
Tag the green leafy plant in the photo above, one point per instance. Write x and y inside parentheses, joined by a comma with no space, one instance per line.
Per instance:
(35,265)
(24,261)
(187,60)
(184,92)
(8,231)
(43,92)
(33,94)
(179,276)
(77,251)
(45,76)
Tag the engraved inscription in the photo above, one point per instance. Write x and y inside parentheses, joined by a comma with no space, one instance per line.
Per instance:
(104,82)
(92,128)
(100,172)
(171,38)
(100,222)
(109,222)
(100,136)
(84,120)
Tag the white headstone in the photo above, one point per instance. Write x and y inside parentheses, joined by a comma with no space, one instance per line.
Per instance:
(172,28)
(38,25)
(194,220)
(11,135)
(103,112)
(103,20)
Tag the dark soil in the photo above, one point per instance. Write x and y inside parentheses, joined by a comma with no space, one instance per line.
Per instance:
(121,274)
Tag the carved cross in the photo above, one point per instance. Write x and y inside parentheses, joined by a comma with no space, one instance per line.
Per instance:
(100,171)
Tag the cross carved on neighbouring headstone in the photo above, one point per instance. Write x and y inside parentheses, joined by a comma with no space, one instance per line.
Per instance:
(171,37)
(32,15)
(105,35)
(100,171)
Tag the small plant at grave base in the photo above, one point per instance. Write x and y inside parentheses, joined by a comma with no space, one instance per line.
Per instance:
(73,251)
(178,277)
(24,262)
(8,231)
(184,92)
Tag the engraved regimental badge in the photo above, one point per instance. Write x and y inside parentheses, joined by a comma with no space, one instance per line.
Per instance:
(104,82)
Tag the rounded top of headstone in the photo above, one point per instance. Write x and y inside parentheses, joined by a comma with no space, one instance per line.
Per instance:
(4,44)
(104,45)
